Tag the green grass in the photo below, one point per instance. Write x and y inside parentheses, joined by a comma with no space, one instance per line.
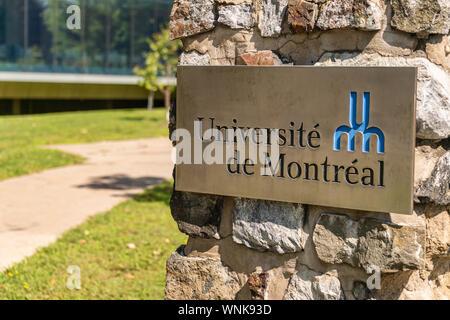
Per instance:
(109,268)
(21,136)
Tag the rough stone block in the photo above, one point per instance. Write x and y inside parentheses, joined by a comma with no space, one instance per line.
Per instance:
(426,158)
(237,16)
(269,225)
(257,283)
(438,50)
(438,231)
(190,17)
(369,242)
(361,292)
(233,1)
(306,284)
(194,58)
(271,17)
(417,285)
(435,187)
(301,15)
(260,58)
(197,214)
(351,14)
(417,16)
(194,278)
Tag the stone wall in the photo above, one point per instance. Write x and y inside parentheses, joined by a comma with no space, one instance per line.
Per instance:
(256,249)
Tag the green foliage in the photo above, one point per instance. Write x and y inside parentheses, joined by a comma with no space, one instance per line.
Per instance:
(110,267)
(112,37)
(161,60)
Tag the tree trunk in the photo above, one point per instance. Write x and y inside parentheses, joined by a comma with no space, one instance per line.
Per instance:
(167,89)
(108,37)
(25,33)
(167,97)
(167,101)
(16,107)
(132,33)
(151,100)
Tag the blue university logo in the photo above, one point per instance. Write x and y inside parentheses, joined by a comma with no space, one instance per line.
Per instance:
(354,127)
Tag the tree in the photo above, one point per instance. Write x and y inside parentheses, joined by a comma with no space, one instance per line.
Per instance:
(160,61)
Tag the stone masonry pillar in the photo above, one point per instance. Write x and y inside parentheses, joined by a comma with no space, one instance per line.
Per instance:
(254,249)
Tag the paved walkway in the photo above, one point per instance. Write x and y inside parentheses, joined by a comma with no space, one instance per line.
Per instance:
(36,209)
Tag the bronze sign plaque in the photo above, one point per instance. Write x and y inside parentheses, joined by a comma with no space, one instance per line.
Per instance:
(345,134)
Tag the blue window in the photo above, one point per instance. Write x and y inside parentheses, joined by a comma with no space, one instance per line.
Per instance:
(34,36)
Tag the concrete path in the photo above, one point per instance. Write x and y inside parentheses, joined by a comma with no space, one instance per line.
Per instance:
(36,209)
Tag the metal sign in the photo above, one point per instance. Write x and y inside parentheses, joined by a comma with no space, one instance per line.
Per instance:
(345,134)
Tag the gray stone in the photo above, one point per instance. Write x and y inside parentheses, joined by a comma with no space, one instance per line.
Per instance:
(426,158)
(237,16)
(271,17)
(438,50)
(197,214)
(361,292)
(306,284)
(260,58)
(352,14)
(257,283)
(438,231)
(421,16)
(433,100)
(335,14)
(194,278)
(433,95)
(194,58)
(301,15)
(369,242)
(233,1)
(436,188)
(190,17)
(269,225)
(368,14)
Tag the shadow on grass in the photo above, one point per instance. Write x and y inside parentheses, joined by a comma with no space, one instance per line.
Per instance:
(133,118)
(120,182)
(140,119)
(161,192)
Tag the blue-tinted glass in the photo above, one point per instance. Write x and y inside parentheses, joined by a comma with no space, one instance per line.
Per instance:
(34,35)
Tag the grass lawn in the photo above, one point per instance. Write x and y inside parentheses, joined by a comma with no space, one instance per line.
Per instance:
(21,136)
(103,248)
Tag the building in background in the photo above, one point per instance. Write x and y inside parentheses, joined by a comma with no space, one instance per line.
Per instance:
(55,68)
